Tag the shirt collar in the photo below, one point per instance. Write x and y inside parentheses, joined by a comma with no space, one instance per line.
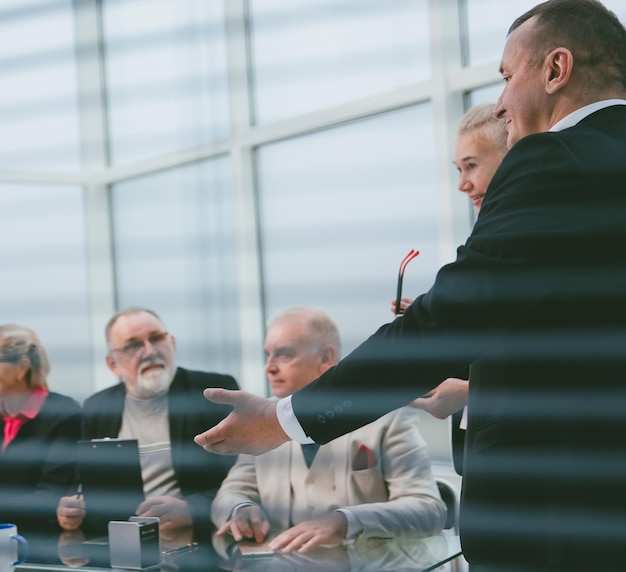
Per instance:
(34,403)
(578,115)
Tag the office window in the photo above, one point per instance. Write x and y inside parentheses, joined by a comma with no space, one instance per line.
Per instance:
(487,94)
(38,88)
(311,54)
(175,252)
(490,20)
(340,209)
(618,7)
(44,276)
(166,75)
(488,23)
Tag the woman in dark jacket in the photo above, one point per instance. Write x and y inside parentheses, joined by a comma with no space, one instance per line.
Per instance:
(39,433)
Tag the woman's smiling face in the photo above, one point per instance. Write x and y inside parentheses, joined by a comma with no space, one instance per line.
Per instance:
(477,160)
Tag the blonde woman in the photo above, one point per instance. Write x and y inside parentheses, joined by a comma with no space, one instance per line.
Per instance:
(480,147)
(39,432)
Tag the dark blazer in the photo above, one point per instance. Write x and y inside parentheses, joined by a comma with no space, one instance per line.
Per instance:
(199,474)
(38,466)
(535,304)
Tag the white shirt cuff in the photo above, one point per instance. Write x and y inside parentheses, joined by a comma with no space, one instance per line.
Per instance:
(463,422)
(289,422)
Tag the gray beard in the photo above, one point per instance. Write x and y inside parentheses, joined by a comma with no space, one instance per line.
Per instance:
(154,383)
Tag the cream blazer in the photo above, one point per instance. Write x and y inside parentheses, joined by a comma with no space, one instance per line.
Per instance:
(380,472)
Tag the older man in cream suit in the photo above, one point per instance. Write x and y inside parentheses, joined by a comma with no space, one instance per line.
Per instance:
(374,481)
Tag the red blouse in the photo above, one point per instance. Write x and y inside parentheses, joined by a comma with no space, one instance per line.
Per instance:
(30,410)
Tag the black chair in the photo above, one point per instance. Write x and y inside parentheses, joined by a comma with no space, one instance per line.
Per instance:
(448,496)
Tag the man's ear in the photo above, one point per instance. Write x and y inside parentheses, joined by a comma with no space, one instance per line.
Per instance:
(328,357)
(112,365)
(559,65)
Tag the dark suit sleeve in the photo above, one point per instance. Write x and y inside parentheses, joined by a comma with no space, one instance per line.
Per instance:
(511,284)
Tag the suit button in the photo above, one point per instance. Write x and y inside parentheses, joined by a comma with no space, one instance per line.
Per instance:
(330,413)
(321,419)
(338,409)
(347,403)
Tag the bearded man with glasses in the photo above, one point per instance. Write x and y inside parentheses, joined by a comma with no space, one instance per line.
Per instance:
(161,406)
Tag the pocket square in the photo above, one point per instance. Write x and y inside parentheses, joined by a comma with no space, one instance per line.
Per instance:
(364,458)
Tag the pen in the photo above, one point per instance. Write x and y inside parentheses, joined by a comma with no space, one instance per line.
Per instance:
(79,490)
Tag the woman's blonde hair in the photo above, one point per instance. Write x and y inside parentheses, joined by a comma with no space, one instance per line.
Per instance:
(481,121)
(17,342)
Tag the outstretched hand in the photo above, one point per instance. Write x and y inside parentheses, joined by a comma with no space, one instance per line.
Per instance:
(252,427)
(447,398)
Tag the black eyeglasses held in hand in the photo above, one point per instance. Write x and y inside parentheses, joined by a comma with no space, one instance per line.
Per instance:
(410,256)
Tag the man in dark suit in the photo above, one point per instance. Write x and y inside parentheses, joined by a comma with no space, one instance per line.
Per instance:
(160,405)
(533,310)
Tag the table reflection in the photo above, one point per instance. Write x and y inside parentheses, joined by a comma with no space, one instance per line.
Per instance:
(180,553)
(74,550)
(405,552)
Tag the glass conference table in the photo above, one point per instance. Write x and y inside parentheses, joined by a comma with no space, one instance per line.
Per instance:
(69,550)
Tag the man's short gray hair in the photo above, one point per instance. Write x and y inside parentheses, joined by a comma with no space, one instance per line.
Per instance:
(319,325)
(126,312)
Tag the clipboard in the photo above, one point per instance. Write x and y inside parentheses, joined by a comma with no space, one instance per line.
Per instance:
(110,474)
